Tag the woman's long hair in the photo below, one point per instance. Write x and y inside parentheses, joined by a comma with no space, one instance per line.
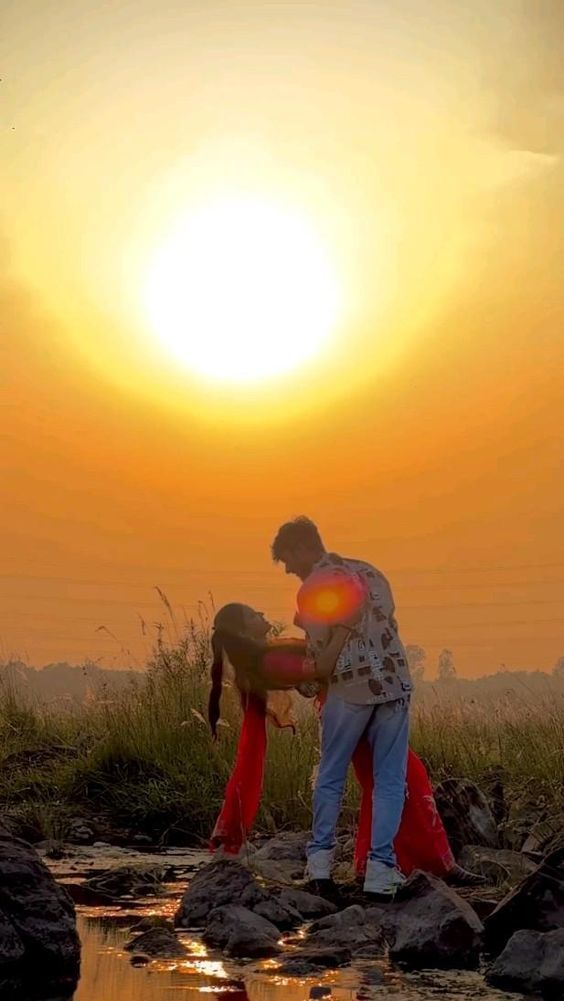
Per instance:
(244,653)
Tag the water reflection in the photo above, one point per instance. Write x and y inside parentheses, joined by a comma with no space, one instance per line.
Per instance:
(108,975)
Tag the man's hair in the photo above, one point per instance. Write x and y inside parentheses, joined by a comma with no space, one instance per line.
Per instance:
(301,531)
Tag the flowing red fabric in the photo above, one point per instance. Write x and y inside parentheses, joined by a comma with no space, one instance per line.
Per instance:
(421,842)
(243,791)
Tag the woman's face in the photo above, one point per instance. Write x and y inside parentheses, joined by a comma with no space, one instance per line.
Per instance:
(256,625)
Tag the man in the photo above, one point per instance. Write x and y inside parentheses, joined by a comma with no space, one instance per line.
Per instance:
(368,692)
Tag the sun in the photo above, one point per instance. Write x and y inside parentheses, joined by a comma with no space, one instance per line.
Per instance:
(241,290)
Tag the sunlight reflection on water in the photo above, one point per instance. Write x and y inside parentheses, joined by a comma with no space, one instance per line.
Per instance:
(107,975)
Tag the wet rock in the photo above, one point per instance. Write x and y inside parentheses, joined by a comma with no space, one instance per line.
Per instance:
(430,925)
(284,917)
(80,893)
(285,872)
(215,885)
(130,881)
(466,814)
(156,921)
(531,962)
(40,913)
(12,948)
(157,942)
(537,903)
(353,928)
(307,904)
(241,933)
(288,845)
(350,916)
(139,960)
(311,960)
(497,865)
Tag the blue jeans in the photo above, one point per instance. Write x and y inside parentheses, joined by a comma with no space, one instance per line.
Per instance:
(387,728)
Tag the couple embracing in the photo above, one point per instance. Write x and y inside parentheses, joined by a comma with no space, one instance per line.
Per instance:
(354,663)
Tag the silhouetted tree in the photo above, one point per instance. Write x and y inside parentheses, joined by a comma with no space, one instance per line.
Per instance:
(558,669)
(446,670)
(416,657)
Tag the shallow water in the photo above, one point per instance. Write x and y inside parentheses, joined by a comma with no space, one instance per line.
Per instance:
(107,972)
(108,975)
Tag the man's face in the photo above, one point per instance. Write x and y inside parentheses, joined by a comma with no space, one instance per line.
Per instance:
(299,561)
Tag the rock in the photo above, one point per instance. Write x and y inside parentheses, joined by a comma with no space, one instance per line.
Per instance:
(37,916)
(156,921)
(306,961)
(139,960)
(285,872)
(531,962)
(80,893)
(12,948)
(284,917)
(483,906)
(80,832)
(466,814)
(537,903)
(351,916)
(497,865)
(352,928)
(53,849)
(142,839)
(157,942)
(216,884)
(307,904)
(288,845)
(241,933)
(429,925)
(129,881)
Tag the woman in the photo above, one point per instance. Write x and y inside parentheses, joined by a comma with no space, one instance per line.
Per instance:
(263,669)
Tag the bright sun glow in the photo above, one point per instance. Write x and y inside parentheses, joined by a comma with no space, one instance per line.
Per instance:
(242,289)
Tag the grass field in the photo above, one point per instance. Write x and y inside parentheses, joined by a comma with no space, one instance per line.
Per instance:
(144,760)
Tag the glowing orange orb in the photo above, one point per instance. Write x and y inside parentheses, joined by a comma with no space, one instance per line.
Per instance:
(330,598)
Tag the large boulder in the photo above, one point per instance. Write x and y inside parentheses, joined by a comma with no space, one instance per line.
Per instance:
(219,883)
(537,903)
(429,925)
(241,933)
(532,962)
(466,814)
(38,936)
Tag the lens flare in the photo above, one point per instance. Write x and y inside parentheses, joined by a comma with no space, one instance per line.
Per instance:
(331,598)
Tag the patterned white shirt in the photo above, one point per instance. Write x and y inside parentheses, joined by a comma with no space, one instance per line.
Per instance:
(372,667)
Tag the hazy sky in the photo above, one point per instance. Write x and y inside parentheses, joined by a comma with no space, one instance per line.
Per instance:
(424,141)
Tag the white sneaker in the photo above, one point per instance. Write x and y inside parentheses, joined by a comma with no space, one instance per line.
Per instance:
(382,879)
(319,864)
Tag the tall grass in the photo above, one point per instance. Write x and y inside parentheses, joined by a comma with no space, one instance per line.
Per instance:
(143,759)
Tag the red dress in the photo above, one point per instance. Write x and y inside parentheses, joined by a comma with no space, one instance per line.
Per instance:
(421,842)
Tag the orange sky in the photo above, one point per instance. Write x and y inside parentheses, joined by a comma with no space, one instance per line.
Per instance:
(427,436)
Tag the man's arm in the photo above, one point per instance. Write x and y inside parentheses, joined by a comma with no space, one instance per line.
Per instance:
(326,658)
